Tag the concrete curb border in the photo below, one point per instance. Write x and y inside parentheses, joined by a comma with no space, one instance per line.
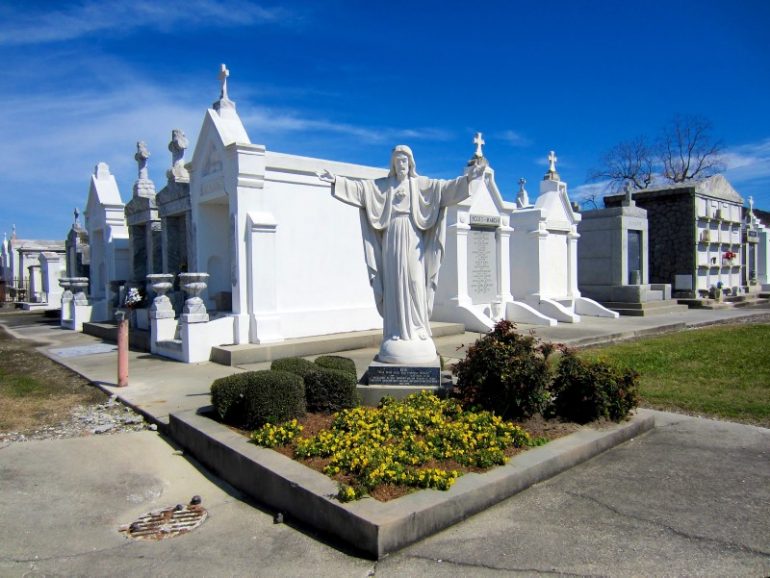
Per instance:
(373,527)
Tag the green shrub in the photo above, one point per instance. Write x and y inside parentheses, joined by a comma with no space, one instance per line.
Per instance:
(330,390)
(588,390)
(506,373)
(227,394)
(253,398)
(273,397)
(337,362)
(295,365)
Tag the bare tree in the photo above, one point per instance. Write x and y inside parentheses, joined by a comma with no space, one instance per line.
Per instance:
(686,149)
(630,161)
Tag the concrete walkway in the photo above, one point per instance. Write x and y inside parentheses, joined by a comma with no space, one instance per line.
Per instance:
(689,498)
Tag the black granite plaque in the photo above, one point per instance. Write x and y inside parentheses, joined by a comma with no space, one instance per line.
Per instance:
(403,375)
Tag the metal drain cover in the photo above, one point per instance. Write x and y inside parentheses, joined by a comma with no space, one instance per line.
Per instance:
(166,523)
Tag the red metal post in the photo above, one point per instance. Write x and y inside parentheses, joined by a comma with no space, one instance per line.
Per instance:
(122,349)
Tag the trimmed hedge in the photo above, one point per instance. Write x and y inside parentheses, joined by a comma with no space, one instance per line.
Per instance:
(330,390)
(254,398)
(295,365)
(588,390)
(227,395)
(337,362)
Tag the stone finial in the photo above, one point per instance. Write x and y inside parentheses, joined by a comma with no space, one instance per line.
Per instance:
(143,187)
(13,233)
(224,101)
(177,147)
(141,156)
(102,171)
(522,198)
(223,74)
(551,175)
(552,161)
(628,200)
(479,142)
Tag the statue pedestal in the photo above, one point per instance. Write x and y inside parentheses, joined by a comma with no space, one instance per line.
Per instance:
(400,380)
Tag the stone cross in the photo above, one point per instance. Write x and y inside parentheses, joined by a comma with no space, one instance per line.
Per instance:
(522,199)
(479,142)
(223,74)
(141,156)
(177,147)
(552,161)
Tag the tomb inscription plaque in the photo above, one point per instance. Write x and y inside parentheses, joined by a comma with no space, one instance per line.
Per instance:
(482,265)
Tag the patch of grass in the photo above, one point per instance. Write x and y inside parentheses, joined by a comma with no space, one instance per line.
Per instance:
(721,371)
(36,391)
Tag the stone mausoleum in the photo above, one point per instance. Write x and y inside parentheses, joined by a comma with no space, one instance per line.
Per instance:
(695,236)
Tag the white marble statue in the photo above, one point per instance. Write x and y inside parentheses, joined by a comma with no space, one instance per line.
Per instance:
(403,224)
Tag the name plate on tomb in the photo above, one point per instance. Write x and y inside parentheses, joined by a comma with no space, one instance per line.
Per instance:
(485,220)
(390,374)
(482,265)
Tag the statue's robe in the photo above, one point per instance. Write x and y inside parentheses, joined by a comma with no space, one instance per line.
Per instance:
(404,227)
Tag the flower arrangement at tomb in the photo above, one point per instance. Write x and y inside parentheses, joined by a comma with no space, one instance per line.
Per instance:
(133,298)
(728,257)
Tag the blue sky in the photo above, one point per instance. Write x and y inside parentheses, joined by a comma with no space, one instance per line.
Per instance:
(82,81)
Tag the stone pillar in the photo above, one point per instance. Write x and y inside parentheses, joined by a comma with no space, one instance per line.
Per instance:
(503,236)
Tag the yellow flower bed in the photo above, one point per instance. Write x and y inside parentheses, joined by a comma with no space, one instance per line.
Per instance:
(393,443)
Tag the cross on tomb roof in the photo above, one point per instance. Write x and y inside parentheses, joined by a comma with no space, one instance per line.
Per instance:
(479,142)
(223,74)
(552,161)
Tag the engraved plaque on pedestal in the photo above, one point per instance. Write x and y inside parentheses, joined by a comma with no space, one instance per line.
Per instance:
(390,374)
(482,265)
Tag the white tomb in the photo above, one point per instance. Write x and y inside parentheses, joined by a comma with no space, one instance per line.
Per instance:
(51,271)
(544,255)
(757,252)
(143,222)
(108,239)
(613,264)
(474,286)
(278,249)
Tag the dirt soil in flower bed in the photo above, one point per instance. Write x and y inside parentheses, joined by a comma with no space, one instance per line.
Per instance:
(313,423)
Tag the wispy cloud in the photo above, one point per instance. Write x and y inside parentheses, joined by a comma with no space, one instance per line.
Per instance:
(75,20)
(266,120)
(590,195)
(512,138)
(748,162)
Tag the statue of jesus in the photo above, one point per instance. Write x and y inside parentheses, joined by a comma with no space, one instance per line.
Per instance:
(403,225)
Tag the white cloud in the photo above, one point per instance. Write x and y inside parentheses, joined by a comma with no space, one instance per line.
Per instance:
(74,20)
(266,120)
(513,138)
(588,194)
(748,162)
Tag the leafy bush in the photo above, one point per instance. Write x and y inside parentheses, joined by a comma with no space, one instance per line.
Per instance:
(337,362)
(295,365)
(330,390)
(588,390)
(273,397)
(227,395)
(254,398)
(506,373)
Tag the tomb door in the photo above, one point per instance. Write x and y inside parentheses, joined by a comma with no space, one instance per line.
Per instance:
(634,257)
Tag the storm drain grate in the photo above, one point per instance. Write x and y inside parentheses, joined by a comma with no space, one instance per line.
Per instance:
(166,523)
